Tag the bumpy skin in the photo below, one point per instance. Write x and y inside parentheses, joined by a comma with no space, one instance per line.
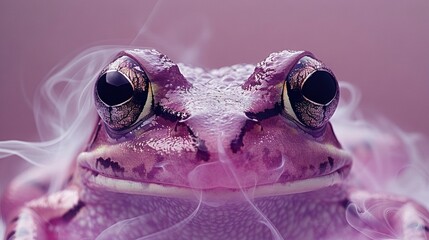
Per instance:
(219,157)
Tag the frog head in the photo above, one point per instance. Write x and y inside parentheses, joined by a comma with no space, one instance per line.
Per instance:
(167,129)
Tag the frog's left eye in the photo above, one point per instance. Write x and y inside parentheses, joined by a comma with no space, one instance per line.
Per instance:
(310,93)
(123,94)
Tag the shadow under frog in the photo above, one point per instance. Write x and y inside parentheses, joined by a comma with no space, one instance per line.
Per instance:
(240,152)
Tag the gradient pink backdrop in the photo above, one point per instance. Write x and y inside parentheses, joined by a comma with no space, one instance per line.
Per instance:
(379,46)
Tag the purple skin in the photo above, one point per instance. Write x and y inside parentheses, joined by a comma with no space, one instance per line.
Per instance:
(240,152)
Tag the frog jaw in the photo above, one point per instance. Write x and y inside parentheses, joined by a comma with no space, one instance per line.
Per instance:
(302,163)
(219,179)
(99,181)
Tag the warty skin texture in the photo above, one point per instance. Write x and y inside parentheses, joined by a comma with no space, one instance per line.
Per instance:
(217,154)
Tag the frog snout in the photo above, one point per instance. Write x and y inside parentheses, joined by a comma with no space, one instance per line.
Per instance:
(219,133)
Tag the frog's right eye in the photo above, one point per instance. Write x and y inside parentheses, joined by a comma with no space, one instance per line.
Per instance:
(123,95)
(310,93)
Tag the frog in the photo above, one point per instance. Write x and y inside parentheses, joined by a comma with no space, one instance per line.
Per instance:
(239,152)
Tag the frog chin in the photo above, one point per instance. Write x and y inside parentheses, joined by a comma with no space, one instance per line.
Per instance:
(106,183)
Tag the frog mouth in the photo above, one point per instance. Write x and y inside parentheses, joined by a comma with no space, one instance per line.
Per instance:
(96,180)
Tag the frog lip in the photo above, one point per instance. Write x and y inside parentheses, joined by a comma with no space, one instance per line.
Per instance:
(99,181)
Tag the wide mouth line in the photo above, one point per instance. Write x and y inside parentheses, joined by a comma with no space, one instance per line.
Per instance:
(96,180)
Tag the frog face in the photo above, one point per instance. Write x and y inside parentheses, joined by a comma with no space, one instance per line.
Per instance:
(170,126)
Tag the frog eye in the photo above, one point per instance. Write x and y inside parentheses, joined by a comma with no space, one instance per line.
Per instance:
(123,95)
(310,93)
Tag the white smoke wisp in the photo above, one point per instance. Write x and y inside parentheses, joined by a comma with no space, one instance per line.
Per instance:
(63,108)
(179,41)
(386,159)
(248,197)
(65,117)
(119,228)
(64,114)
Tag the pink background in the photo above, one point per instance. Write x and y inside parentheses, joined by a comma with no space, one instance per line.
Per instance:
(379,46)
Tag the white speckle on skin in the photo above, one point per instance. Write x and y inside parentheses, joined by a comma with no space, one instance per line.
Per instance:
(100,220)
(99,209)
(82,223)
(92,212)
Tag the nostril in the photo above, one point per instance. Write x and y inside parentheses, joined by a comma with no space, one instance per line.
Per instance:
(202,151)
(237,142)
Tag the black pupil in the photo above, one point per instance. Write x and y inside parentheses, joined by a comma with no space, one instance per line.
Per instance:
(320,87)
(113,88)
